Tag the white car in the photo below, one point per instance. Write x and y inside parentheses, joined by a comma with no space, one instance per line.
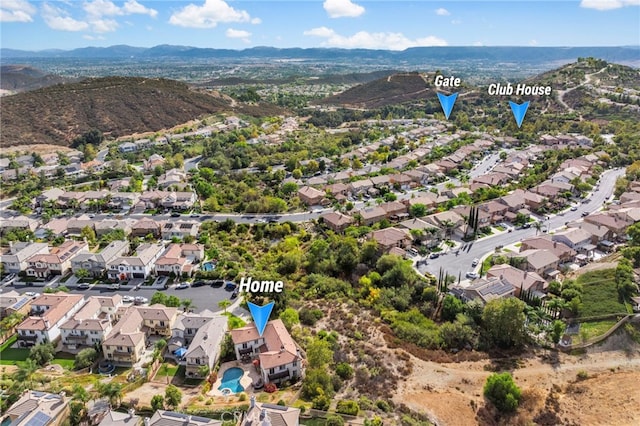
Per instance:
(32,294)
(472,275)
(128,299)
(475,262)
(139,300)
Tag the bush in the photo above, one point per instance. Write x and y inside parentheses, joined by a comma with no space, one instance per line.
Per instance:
(270,388)
(383,405)
(344,370)
(310,316)
(348,407)
(42,354)
(582,375)
(334,420)
(502,391)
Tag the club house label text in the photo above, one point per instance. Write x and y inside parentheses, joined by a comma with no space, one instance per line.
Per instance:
(247,285)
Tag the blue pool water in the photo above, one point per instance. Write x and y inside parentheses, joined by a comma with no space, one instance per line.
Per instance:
(231,380)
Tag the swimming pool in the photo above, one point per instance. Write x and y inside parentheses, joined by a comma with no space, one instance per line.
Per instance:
(231,380)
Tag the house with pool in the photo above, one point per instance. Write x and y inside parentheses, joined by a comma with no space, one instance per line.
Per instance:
(275,354)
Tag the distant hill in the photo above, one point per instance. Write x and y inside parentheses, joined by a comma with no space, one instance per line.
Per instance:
(115,105)
(350,78)
(414,55)
(20,78)
(393,89)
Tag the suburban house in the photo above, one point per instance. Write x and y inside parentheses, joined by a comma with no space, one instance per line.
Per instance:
(514,201)
(18,223)
(495,210)
(394,209)
(278,356)
(360,186)
(617,225)
(106,226)
(543,262)
(12,302)
(49,312)
(180,259)
(519,279)
(179,230)
(261,413)
(310,196)
(126,341)
(114,418)
(204,349)
(137,266)
(371,215)
(39,409)
(153,161)
(172,418)
(19,253)
(389,238)
(75,226)
(89,326)
(144,227)
(337,221)
(96,263)
(485,290)
(576,238)
(57,261)
(172,177)
(544,242)
(186,326)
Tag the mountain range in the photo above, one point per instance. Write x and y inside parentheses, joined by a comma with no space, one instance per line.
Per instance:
(623,54)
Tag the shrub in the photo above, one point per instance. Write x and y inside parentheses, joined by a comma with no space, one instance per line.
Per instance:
(310,316)
(383,405)
(281,402)
(348,407)
(242,397)
(502,391)
(344,370)
(270,388)
(582,375)
(334,420)
(85,358)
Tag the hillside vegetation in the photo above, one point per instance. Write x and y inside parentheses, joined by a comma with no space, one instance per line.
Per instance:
(20,78)
(115,105)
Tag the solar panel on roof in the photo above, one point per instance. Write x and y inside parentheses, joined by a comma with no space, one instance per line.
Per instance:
(20,303)
(39,419)
(200,419)
(175,415)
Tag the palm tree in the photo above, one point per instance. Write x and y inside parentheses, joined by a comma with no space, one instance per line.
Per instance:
(556,305)
(538,226)
(224,304)
(113,391)
(24,376)
(187,305)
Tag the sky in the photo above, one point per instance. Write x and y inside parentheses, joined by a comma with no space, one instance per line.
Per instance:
(394,25)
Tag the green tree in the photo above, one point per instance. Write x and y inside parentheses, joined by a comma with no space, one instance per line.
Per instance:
(157,402)
(451,307)
(112,391)
(173,396)
(82,273)
(502,391)
(224,304)
(85,358)
(557,329)
(348,407)
(319,353)
(504,322)
(24,375)
(89,233)
(289,317)
(334,420)
(418,210)
(43,353)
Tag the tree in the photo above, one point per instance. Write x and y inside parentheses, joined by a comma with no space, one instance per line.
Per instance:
(112,391)
(85,358)
(289,317)
(157,402)
(172,396)
(89,233)
(557,328)
(82,273)
(418,210)
(25,373)
(504,322)
(187,305)
(319,353)
(43,353)
(224,304)
(502,391)
(451,306)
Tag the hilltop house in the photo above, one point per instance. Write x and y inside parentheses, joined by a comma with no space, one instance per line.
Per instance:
(277,355)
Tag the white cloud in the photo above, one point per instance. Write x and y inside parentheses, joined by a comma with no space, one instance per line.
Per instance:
(91,37)
(608,4)
(98,8)
(58,19)
(342,8)
(16,11)
(103,25)
(209,15)
(477,43)
(442,12)
(241,34)
(133,7)
(533,42)
(367,40)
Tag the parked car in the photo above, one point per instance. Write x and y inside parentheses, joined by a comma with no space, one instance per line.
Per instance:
(32,294)
(585,214)
(574,208)
(139,300)
(434,255)
(183,285)
(198,283)
(115,286)
(475,262)
(234,294)
(217,283)
(128,299)
(175,214)
(472,275)
(412,251)
(526,226)
(230,286)
(83,286)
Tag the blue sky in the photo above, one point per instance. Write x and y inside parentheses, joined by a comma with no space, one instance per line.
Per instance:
(237,24)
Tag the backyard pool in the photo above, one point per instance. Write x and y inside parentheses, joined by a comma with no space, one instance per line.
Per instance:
(231,380)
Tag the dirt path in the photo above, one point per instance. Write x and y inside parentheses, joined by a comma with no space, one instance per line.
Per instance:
(561,93)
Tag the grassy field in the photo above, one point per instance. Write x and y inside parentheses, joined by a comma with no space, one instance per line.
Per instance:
(591,329)
(600,296)
(167,369)
(10,356)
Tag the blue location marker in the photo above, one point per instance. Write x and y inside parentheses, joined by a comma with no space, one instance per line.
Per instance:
(519,111)
(446,102)
(260,315)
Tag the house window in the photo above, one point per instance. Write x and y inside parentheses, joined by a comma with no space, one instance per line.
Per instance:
(244,346)
(282,367)
(295,363)
(161,323)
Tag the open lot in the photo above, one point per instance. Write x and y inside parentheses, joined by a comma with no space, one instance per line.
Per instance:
(600,296)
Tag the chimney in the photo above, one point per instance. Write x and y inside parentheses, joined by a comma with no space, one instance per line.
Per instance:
(147,421)
(282,348)
(252,402)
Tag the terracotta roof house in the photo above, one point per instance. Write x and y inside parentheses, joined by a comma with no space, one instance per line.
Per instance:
(310,196)
(18,223)
(544,242)
(519,279)
(542,262)
(391,237)
(393,208)
(180,259)
(514,201)
(96,263)
(629,196)
(144,227)
(371,215)
(492,179)
(89,326)
(576,238)
(337,188)
(16,260)
(337,221)
(57,261)
(139,265)
(116,418)
(614,223)
(51,311)
(360,186)
(278,356)
(382,180)
(485,290)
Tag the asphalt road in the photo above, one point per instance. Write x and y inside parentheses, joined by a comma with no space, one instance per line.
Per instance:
(461,264)
(205,297)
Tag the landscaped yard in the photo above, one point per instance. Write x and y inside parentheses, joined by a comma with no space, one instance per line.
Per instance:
(64,359)
(167,369)
(600,296)
(591,329)
(9,355)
